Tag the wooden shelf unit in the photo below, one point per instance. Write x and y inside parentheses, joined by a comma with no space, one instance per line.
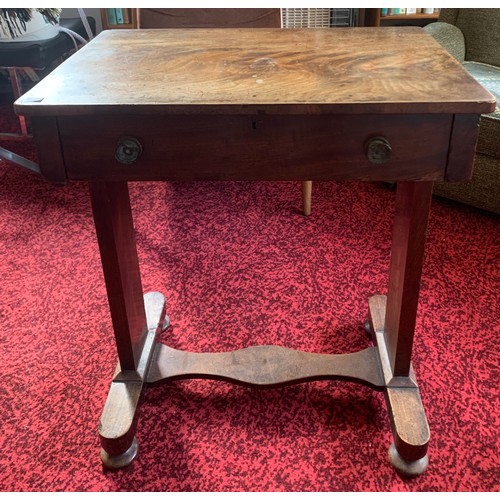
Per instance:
(109,23)
(373,18)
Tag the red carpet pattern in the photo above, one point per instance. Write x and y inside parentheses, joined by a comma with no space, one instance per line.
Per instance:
(241,266)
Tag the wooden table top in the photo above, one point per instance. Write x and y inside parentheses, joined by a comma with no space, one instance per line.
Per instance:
(348,70)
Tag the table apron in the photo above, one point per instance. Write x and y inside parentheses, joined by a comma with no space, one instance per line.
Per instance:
(258,147)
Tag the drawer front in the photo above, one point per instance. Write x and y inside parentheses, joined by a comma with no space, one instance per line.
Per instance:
(259,147)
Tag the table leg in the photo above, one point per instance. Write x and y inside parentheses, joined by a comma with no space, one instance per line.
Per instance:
(307,197)
(136,319)
(137,322)
(408,454)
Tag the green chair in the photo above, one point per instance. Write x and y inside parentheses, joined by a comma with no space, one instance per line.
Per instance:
(473,37)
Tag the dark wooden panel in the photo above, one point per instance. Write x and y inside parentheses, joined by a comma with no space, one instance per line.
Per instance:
(256,147)
(463,141)
(50,158)
(209,18)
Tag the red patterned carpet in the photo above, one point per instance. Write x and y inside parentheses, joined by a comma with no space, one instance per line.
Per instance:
(241,266)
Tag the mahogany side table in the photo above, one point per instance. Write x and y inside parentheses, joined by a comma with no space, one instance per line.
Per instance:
(372,104)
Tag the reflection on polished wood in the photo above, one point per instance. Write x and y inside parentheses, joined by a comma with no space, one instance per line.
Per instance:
(313,71)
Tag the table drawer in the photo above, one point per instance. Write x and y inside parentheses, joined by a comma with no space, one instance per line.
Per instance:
(255,147)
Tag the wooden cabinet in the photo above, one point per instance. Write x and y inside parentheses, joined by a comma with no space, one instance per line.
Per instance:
(373,17)
(119,18)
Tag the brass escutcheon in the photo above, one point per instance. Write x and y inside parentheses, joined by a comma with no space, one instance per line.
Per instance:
(128,150)
(378,150)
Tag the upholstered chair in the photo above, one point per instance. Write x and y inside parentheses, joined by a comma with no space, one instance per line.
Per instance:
(36,58)
(473,37)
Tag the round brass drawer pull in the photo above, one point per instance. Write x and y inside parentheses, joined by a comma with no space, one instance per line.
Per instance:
(128,150)
(378,150)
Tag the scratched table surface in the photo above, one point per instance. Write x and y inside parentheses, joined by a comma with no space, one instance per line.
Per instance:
(354,70)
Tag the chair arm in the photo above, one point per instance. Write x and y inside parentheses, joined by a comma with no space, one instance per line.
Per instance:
(450,37)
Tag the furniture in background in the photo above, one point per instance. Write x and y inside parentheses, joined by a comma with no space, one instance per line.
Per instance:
(119,18)
(319,17)
(289,18)
(202,85)
(208,18)
(34,59)
(374,17)
(473,37)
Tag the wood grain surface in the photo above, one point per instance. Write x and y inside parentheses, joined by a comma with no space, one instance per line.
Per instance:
(351,70)
(266,366)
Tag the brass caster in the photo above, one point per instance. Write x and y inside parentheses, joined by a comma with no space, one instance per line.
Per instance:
(406,468)
(119,461)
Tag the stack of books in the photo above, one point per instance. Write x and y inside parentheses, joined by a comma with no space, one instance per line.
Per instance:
(407,11)
(118,16)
